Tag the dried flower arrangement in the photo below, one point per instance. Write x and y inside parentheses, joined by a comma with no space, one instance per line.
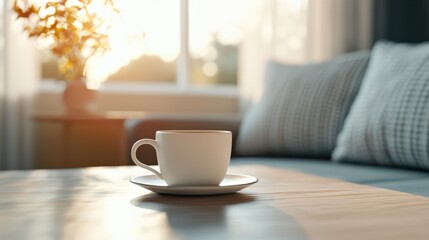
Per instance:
(74,30)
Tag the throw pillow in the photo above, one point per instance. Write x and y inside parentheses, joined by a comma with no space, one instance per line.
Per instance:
(389,121)
(302,108)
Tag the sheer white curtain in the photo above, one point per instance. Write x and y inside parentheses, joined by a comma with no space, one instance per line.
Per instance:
(18,82)
(299,31)
(338,26)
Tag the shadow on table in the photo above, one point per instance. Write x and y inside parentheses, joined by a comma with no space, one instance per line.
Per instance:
(230,216)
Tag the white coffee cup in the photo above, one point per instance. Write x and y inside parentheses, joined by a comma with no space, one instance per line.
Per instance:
(189,157)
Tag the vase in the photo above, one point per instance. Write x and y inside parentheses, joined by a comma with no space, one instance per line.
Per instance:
(78,98)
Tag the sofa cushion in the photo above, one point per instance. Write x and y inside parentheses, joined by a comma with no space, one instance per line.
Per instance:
(389,121)
(302,108)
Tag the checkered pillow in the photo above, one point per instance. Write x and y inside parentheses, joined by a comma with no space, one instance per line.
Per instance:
(302,108)
(389,121)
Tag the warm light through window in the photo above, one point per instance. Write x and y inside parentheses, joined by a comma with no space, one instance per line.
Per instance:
(215,32)
(145,43)
(145,27)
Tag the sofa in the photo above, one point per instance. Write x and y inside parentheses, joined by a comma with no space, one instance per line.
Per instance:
(361,117)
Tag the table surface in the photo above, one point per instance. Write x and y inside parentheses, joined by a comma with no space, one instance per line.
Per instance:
(100,203)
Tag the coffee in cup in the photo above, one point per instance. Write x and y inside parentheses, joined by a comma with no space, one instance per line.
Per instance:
(189,157)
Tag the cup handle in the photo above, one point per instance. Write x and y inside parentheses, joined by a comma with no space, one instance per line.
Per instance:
(136,145)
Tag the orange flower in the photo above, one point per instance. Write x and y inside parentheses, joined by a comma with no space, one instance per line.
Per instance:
(77,33)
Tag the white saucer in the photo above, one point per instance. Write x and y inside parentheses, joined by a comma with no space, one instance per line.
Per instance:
(231,183)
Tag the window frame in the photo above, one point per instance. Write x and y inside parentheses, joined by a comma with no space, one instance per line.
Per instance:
(183,79)
(183,76)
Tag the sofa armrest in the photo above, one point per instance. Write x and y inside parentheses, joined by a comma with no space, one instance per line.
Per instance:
(147,127)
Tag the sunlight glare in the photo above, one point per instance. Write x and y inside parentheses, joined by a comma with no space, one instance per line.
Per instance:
(206,25)
(144,27)
(124,221)
(158,22)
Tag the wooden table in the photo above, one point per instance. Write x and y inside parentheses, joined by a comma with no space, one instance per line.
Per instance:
(100,203)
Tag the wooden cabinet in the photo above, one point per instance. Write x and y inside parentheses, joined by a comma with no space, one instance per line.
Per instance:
(69,140)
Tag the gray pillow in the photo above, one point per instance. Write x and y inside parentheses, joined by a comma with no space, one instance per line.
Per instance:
(389,121)
(302,108)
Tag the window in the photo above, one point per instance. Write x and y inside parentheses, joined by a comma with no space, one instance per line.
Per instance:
(178,42)
(215,32)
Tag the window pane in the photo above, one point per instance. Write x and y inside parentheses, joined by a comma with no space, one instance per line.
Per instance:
(144,45)
(215,33)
